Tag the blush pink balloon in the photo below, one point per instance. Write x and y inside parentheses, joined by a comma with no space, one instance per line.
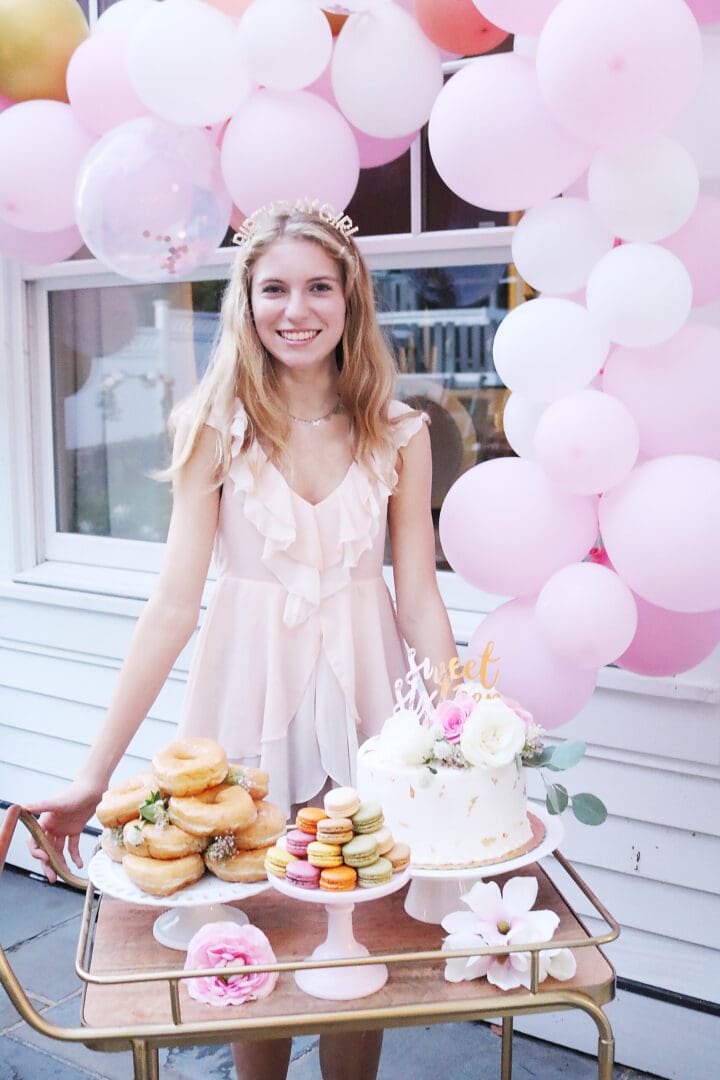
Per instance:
(289,146)
(5,103)
(648,381)
(615,71)
(41,248)
(586,614)
(668,642)
(42,146)
(705,11)
(519,16)
(661,529)
(553,690)
(505,527)
(494,101)
(372,151)
(98,86)
(586,442)
(697,244)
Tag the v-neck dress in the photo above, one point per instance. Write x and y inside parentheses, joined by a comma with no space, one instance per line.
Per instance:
(300,649)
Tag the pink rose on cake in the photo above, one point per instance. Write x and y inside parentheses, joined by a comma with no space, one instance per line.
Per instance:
(451,716)
(493,734)
(220,945)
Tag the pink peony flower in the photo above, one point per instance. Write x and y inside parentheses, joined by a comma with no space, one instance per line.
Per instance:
(451,715)
(220,944)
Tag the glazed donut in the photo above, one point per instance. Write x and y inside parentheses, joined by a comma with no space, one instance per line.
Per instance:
(254,781)
(189,766)
(246,866)
(122,802)
(269,825)
(112,844)
(161,877)
(222,809)
(170,842)
(134,838)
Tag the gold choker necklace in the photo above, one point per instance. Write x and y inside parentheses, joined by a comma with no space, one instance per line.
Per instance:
(337,408)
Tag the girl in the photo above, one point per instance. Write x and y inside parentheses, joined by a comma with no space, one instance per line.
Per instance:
(289,460)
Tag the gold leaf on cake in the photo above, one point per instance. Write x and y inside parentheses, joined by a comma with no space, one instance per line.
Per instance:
(471,804)
(412,792)
(489,841)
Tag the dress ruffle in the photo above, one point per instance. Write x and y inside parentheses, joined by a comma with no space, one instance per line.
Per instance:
(312,565)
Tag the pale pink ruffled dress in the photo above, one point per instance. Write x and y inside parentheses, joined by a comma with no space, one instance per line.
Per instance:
(300,648)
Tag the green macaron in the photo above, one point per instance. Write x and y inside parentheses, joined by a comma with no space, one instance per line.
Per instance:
(368,817)
(377,874)
(360,851)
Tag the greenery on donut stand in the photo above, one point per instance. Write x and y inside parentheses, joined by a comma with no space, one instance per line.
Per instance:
(155,810)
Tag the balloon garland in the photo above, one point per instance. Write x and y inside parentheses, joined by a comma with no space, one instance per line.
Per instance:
(143,140)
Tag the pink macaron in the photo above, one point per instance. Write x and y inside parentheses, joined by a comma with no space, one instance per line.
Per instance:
(304,875)
(296,841)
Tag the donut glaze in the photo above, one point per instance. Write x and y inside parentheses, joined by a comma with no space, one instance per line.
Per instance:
(189,766)
(224,808)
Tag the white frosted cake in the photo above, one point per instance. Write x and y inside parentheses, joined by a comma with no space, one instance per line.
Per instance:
(455,790)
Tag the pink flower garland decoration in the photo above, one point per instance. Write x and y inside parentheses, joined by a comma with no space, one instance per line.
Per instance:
(221,944)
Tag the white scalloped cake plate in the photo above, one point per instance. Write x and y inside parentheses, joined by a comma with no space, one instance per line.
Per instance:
(358,895)
(554,831)
(110,877)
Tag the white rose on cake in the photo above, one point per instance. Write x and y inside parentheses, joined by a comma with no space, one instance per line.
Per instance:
(493,734)
(404,741)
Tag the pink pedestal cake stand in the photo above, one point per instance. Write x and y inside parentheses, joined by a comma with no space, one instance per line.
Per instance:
(433,894)
(341,983)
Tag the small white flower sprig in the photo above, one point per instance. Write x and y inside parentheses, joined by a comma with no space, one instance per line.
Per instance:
(504,919)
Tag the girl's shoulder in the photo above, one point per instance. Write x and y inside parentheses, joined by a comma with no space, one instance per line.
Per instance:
(405,422)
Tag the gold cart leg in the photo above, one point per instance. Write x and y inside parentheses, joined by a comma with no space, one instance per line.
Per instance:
(506,1053)
(606,1058)
(145,1061)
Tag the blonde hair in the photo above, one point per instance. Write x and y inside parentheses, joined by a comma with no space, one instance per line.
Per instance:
(241,368)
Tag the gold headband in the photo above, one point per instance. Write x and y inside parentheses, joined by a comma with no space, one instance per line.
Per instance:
(325,211)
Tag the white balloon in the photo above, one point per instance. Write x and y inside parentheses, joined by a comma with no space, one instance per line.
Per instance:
(525,45)
(639,294)
(385,73)
(185,62)
(697,126)
(123,16)
(644,191)
(520,419)
(288,43)
(557,243)
(548,347)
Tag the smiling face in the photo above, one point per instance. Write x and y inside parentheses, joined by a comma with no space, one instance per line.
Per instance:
(298,303)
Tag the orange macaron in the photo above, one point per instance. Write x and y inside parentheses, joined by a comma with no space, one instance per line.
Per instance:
(308,817)
(338,878)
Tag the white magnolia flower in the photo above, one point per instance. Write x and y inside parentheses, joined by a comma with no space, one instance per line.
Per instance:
(403,740)
(504,919)
(493,734)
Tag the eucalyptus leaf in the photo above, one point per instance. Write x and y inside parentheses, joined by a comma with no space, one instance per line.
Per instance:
(536,761)
(556,798)
(566,755)
(589,809)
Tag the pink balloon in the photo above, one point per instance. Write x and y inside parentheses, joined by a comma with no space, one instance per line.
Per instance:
(519,16)
(705,11)
(98,86)
(668,642)
(616,71)
(586,614)
(550,688)
(5,103)
(373,151)
(494,101)
(505,527)
(586,442)
(289,146)
(661,528)
(697,243)
(647,381)
(41,148)
(40,248)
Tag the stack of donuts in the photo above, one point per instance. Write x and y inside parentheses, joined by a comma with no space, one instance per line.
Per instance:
(193,812)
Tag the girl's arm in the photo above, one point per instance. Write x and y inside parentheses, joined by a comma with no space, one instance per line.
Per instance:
(163,629)
(422,615)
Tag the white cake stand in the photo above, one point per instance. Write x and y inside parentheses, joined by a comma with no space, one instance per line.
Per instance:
(341,983)
(433,894)
(204,902)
